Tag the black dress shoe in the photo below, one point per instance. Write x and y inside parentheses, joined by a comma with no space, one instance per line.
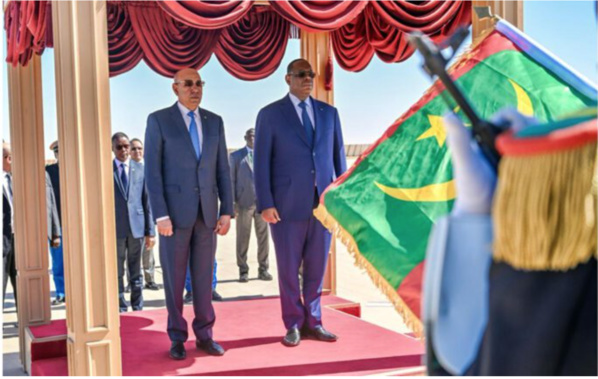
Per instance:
(177,350)
(264,275)
(292,338)
(216,296)
(320,334)
(243,278)
(188,299)
(210,346)
(151,286)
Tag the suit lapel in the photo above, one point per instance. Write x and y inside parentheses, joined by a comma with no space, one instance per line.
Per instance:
(205,132)
(245,159)
(288,109)
(181,127)
(318,114)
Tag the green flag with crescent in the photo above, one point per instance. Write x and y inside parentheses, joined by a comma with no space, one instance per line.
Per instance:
(384,207)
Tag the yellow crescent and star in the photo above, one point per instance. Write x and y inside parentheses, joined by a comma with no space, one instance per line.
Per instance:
(446,191)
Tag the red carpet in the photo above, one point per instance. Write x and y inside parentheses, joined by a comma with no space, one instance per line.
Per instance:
(251,332)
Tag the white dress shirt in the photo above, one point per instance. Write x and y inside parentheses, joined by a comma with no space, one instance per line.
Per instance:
(310,108)
(185,113)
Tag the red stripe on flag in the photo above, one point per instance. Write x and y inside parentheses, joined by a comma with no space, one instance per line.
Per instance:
(410,289)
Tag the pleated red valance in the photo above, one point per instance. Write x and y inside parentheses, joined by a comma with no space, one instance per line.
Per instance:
(248,40)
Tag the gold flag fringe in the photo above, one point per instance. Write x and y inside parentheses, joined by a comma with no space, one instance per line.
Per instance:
(329,222)
(545,210)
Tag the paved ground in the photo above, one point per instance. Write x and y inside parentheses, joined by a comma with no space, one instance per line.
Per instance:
(352,284)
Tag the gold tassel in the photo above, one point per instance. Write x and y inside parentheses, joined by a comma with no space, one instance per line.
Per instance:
(545,210)
(410,319)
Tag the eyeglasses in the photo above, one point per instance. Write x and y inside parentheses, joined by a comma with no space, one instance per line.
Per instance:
(121,147)
(189,83)
(303,74)
(137,148)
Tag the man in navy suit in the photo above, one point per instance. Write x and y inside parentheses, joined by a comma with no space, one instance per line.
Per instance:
(134,223)
(187,172)
(298,153)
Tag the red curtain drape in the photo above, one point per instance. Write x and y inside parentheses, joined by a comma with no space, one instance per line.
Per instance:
(124,51)
(253,48)
(26,26)
(206,14)
(383,26)
(319,15)
(248,41)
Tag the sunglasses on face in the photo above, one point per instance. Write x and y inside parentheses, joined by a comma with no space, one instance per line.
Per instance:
(137,148)
(188,83)
(303,74)
(122,147)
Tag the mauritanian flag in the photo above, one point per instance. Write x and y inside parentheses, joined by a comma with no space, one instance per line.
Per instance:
(384,206)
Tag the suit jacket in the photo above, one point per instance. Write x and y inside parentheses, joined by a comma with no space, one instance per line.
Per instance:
(6,224)
(176,180)
(132,207)
(51,210)
(53,171)
(286,167)
(242,178)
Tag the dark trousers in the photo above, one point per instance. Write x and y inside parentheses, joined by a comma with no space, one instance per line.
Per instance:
(196,247)
(129,249)
(245,217)
(295,243)
(10,271)
(540,323)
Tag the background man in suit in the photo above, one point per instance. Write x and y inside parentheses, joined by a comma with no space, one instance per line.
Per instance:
(148,261)
(56,251)
(133,219)
(187,172)
(241,167)
(8,247)
(298,153)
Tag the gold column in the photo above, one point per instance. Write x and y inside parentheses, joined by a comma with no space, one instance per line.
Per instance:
(29,188)
(512,11)
(86,183)
(315,48)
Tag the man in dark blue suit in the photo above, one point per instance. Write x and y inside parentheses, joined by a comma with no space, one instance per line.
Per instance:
(298,153)
(134,222)
(187,171)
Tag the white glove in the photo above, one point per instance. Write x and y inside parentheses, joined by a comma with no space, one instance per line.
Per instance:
(474,177)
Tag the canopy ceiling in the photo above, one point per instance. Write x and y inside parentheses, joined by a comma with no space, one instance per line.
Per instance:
(249,40)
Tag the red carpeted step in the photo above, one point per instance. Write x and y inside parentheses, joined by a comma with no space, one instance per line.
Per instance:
(50,367)
(47,341)
(251,331)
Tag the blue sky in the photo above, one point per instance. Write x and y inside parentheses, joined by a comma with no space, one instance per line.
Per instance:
(368,101)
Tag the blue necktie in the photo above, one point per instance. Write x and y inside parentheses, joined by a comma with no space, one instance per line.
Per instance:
(309,128)
(123,176)
(194,135)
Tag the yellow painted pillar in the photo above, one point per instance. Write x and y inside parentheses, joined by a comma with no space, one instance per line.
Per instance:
(86,184)
(316,49)
(29,200)
(512,11)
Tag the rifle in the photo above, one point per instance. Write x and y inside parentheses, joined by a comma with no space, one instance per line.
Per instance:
(483,131)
